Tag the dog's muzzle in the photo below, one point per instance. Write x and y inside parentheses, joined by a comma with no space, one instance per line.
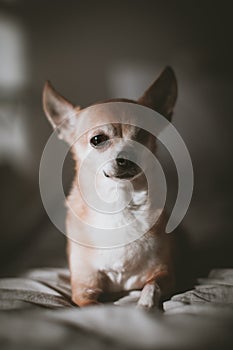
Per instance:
(124,167)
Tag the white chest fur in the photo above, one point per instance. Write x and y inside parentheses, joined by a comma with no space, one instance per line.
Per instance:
(127,266)
(122,268)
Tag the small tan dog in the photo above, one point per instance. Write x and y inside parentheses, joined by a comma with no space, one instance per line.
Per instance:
(145,264)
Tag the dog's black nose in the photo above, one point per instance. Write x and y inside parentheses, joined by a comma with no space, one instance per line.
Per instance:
(123,162)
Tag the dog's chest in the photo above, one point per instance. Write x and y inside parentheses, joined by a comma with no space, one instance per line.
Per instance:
(130,265)
(127,267)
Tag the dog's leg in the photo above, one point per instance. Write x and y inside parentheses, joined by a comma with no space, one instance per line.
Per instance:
(150,295)
(86,284)
(160,284)
(86,291)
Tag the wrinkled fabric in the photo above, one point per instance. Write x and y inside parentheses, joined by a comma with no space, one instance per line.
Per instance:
(37,312)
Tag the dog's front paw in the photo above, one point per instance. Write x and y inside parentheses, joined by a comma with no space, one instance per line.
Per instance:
(150,296)
(145,302)
(86,297)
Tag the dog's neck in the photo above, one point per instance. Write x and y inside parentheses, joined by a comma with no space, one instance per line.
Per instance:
(134,192)
(131,211)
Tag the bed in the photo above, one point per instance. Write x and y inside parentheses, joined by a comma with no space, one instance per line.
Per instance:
(37,313)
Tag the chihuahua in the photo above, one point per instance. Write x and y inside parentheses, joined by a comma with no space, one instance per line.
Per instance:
(144,265)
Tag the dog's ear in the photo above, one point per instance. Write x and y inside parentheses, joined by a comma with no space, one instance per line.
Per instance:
(60,112)
(161,95)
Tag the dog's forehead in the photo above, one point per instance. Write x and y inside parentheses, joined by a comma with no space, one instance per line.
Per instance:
(118,129)
(111,118)
(115,119)
(128,130)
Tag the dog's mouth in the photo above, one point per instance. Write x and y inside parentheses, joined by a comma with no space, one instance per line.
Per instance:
(126,175)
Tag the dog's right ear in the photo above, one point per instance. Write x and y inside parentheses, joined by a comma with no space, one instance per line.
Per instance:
(60,112)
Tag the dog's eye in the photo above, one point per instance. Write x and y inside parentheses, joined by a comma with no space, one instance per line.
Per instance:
(99,140)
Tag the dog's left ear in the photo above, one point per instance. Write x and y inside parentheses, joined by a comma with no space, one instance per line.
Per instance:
(162,94)
(60,112)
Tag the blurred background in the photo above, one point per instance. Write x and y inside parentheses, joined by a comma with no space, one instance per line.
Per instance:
(93,50)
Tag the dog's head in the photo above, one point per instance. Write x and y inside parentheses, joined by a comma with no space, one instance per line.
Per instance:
(111,142)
